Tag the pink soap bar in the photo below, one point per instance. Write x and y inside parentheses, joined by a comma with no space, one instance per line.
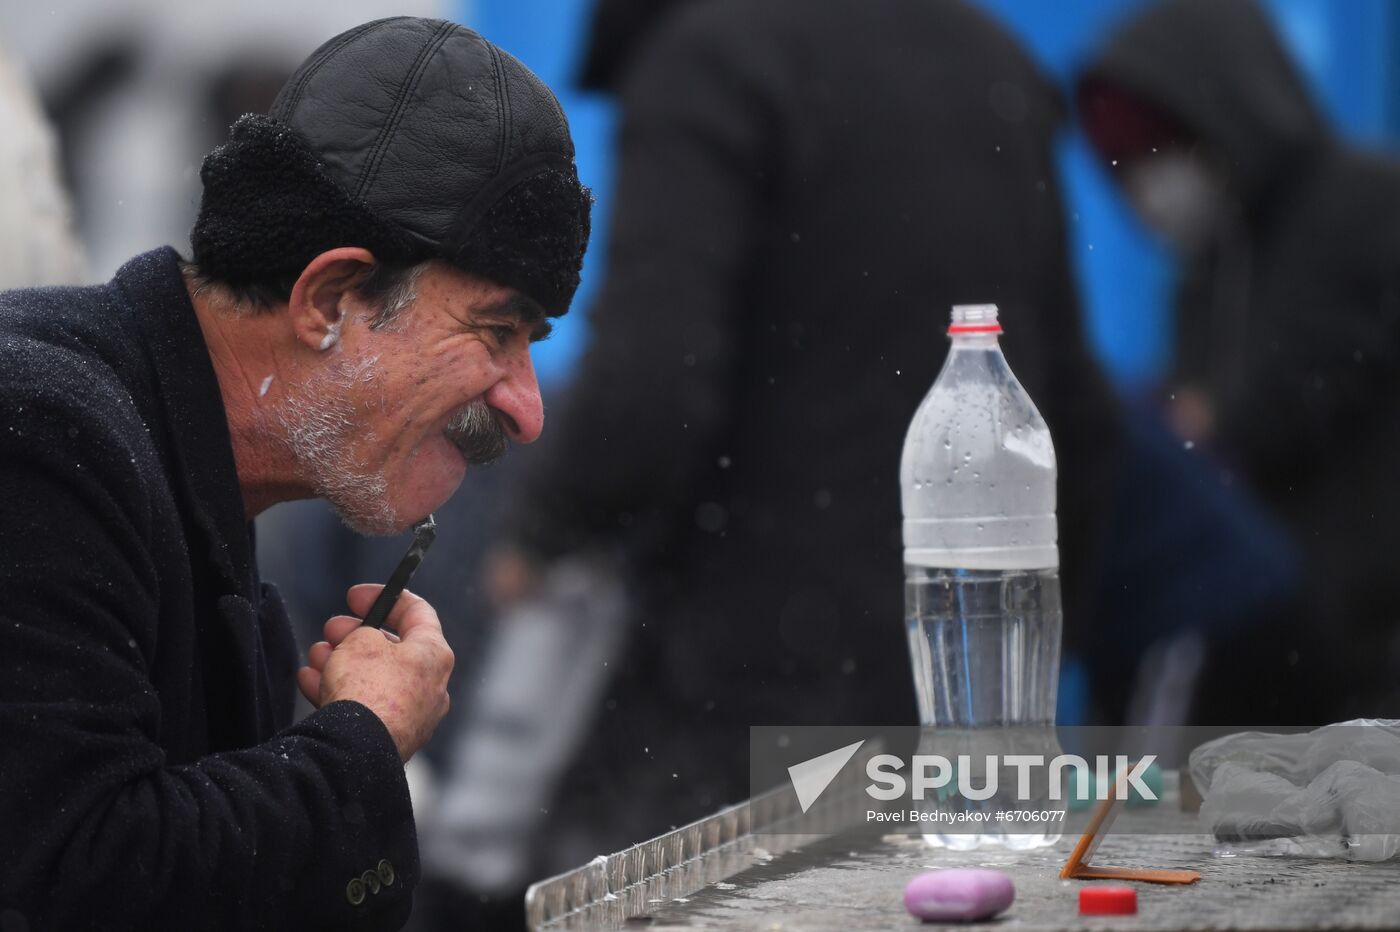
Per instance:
(959,894)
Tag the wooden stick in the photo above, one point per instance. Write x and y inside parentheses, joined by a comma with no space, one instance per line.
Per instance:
(1145,874)
(1079,868)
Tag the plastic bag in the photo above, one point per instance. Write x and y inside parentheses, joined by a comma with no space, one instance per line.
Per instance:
(1332,792)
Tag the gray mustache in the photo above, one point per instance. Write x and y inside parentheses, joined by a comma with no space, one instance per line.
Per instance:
(477,432)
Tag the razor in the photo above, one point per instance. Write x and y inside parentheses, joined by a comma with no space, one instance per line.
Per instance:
(424,532)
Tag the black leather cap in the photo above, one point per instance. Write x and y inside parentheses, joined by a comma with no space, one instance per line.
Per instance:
(415,138)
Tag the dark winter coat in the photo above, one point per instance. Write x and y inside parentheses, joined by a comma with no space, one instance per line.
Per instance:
(149,778)
(805,187)
(1290,321)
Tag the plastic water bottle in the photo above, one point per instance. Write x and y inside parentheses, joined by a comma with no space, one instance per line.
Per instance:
(982,590)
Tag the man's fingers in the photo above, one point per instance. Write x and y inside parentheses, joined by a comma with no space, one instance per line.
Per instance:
(404,684)
(413,618)
(317,656)
(338,627)
(410,612)
(361,597)
(310,682)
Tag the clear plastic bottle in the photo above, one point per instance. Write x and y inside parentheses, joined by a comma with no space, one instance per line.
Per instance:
(982,590)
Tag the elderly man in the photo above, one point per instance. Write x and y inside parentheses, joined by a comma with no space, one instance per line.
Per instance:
(371,263)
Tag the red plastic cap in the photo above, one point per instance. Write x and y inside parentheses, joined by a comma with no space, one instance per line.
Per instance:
(974,318)
(1107,901)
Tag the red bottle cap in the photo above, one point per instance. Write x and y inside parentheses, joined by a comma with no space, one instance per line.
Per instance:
(1107,901)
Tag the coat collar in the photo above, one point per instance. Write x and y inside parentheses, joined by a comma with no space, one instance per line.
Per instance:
(201,449)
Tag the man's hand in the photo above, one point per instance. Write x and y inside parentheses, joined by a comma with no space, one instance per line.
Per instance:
(401,679)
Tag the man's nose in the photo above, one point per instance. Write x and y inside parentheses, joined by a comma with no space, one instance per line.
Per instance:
(516,401)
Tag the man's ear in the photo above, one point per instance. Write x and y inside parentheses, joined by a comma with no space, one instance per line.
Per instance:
(320,297)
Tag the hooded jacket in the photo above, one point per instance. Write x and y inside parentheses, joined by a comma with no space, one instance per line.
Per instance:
(1290,320)
(805,188)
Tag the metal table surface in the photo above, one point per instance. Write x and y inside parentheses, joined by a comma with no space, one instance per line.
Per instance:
(841,882)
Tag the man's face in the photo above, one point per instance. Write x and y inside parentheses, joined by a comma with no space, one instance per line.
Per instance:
(385,427)
(1181,194)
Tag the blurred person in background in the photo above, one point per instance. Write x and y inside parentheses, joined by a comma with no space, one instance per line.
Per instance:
(805,187)
(1287,355)
(371,263)
(37,245)
(127,84)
